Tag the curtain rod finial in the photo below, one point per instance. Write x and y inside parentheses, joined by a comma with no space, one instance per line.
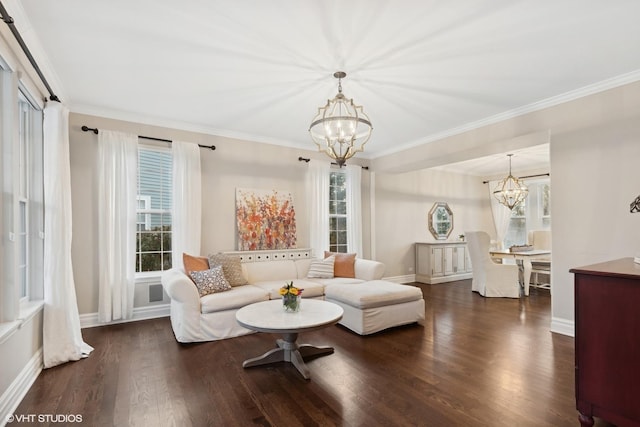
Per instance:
(87,129)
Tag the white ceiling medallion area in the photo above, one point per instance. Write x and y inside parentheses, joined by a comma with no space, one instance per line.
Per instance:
(525,160)
(258,70)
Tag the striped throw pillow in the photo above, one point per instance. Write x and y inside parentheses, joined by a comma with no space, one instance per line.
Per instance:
(322,268)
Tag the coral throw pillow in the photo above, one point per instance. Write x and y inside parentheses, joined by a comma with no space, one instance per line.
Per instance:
(194,263)
(344,265)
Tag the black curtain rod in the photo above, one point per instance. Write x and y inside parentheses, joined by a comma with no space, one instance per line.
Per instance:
(95,130)
(9,21)
(306,160)
(524,177)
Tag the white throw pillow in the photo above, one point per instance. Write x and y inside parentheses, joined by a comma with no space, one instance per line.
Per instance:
(322,268)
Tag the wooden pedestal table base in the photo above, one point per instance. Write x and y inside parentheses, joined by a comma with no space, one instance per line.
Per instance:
(268,316)
(289,351)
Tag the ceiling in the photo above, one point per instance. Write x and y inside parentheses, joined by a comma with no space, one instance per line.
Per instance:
(527,160)
(258,70)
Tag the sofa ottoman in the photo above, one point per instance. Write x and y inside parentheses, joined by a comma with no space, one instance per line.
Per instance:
(375,305)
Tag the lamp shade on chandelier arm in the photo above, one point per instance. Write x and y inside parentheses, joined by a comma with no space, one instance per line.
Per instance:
(510,191)
(340,128)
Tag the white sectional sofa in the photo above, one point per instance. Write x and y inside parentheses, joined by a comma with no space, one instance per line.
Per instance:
(368,309)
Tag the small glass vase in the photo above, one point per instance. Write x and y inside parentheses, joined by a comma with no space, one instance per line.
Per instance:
(291,303)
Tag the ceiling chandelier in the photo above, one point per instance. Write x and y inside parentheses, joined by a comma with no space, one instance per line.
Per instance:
(340,125)
(510,191)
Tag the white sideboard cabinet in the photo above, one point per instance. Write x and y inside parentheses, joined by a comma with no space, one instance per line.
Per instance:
(440,262)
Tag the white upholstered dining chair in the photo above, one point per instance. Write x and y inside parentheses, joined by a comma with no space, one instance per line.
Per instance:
(540,239)
(489,278)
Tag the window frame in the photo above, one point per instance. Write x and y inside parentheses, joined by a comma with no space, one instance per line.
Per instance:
(18,307)
(22,217)
(23,223)
(335,217)
(533,212)
(148,211)
(29,240)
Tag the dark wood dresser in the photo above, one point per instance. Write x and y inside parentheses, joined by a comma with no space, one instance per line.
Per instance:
(607,342)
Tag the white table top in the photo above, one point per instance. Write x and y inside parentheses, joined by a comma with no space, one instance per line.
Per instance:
(533,252)
(269,316)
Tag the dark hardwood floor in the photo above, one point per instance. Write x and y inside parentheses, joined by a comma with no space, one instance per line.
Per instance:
(476,362)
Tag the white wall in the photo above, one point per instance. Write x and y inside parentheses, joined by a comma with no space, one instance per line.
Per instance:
(587,146)
(18,370)
(402,201)
(234,164)
(402,204)
(596,175)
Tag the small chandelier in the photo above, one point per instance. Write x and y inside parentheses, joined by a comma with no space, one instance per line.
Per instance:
(510,191)
(339,125)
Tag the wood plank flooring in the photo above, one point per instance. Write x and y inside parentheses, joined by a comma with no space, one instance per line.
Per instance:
(476,362)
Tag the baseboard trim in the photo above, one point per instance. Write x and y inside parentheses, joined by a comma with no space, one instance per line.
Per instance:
(408,278)
(90,320)
(563,326)
(18,389)
(430,280)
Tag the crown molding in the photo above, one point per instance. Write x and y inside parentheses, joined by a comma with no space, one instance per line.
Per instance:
(128,116)
(226,133)
(582,92)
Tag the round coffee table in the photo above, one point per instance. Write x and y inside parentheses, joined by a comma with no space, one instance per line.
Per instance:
(268,316)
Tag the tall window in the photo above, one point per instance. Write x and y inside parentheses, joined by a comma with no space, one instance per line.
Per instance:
(22,203)
(338,212)
(29,192)
(23,197)
(153,236)
(532,214)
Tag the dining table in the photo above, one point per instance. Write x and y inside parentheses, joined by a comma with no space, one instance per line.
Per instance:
(526,257)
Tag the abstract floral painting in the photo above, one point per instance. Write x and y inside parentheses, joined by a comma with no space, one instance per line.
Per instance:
(266,219)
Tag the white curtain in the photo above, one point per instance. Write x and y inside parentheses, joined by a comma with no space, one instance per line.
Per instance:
(62,337)
(318,204)
(501,215)
(354,209)
(117,182)
(187,205)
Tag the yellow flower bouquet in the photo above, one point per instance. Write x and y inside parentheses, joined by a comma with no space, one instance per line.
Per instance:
(290,297)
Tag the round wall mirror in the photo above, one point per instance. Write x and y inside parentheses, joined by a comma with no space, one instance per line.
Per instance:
(440,221)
